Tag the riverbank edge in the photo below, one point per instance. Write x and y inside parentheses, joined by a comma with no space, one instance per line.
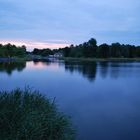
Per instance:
(99,59)
(17,59)
(31,58)
(22,59)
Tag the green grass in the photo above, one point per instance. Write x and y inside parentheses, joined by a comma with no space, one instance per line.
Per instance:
(27,115)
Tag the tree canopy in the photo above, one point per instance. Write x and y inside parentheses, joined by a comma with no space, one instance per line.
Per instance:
(90,49)
(42,52)
(10,50)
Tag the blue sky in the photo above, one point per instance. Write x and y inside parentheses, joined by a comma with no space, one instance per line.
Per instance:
(57,23)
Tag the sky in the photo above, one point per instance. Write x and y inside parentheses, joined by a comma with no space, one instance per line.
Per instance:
(59,23)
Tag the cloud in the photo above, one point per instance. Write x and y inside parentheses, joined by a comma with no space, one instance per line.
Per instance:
(74,22)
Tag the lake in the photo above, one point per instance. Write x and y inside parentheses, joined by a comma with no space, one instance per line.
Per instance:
(102,98)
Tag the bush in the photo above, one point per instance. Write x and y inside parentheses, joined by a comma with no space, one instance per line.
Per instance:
(27,115)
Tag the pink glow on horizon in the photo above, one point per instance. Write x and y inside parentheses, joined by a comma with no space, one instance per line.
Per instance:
(34,44)
(32,65)
(41,65)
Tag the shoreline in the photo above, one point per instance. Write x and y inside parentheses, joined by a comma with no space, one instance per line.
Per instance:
(29,58)
(14,59)
(24,58)
(100,59)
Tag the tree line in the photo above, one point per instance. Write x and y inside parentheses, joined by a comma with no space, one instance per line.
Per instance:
(90,49)
(10,50)
(43,52)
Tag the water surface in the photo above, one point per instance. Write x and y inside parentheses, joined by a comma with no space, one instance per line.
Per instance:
(102,98)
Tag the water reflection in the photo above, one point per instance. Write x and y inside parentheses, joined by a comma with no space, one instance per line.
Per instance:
(9,67)
(43,63)
(36,61)
(87,69)
(104,69)
(105,110)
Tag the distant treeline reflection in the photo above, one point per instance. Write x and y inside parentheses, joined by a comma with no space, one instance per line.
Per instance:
(87,69)
(9,67)
(90,70)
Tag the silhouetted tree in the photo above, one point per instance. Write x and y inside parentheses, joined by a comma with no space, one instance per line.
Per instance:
(9,50)
(138,51)
(66,51)
(42,52)
(104,51)
(91,50)
(115,50)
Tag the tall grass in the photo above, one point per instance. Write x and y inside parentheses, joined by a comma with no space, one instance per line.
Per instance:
(27,115)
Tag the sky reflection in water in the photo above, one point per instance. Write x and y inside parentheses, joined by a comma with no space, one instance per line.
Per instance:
(103,98)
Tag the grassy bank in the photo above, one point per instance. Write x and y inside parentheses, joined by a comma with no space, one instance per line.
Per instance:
(27,115)
(23,58)
(15,58)
(99,59)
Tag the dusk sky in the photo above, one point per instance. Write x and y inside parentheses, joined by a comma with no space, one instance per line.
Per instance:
(58,23)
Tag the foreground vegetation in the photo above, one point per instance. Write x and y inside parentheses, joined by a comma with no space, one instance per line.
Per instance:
(27,115)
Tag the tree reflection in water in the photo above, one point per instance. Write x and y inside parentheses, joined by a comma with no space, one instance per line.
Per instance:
(104,68)
(87,69)
(9,67)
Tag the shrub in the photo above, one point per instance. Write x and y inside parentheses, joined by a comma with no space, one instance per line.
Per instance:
(27,115)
